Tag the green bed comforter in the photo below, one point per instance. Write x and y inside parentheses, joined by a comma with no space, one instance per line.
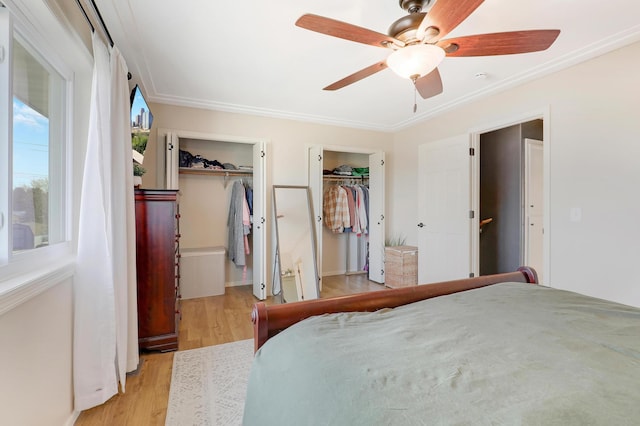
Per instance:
(508,354)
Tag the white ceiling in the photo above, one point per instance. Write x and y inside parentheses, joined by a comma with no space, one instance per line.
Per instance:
(249,57)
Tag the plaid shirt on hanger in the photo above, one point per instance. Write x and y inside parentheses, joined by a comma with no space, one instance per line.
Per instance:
(336,209)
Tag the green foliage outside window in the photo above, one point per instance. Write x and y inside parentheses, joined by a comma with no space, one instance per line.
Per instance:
(139,141)
(138,170)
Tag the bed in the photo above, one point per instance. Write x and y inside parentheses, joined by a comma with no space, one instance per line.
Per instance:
(487,350)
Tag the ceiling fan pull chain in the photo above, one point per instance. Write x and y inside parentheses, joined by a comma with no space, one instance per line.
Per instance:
(415,90)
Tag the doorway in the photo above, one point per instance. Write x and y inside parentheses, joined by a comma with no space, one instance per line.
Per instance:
(348,253)
(510,223)
(206,193)
(449,213)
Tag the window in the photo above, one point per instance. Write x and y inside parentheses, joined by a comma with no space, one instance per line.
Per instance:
(33,140)
(141,121)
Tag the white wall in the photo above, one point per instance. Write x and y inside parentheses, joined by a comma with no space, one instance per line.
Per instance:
(594,165)
(35,360)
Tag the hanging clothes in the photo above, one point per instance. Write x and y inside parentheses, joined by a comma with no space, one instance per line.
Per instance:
(335,207)
(246,222)
(249,193)
(346,208)
(351,199)
(365,191)
(237,247)
(362,211)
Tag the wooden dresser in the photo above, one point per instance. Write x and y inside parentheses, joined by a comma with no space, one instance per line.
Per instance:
(157,251)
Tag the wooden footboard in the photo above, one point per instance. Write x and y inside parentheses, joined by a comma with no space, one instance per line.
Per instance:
(270,320)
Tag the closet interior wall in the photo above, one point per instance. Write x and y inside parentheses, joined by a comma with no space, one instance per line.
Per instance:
(205,201)
(343,253)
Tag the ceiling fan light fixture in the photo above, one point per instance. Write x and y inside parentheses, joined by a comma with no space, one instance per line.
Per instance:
(415,60)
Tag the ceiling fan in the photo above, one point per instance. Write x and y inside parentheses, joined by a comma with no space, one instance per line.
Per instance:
(418,45)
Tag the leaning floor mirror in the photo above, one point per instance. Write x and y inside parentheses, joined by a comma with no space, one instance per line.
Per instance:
(295,270)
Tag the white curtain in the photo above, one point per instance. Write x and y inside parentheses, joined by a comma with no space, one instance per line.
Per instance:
(105,317)
(124,218)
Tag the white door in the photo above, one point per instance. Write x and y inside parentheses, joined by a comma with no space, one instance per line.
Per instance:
(444,224)
(376,217)
(172,157)
(534,211)
(259,221)
(316,187)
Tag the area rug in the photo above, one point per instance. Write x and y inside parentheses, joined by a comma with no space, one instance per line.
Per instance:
(208,385)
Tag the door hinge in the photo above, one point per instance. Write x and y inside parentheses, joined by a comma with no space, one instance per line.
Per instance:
(319,157)
(472,151)
(262,286)
(262,153)
(382,162)
(472,214)
(170,146)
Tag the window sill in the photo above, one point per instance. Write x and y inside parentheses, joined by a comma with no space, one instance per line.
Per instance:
(23,287)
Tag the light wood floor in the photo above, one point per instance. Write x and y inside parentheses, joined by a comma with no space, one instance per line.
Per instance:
(205,321)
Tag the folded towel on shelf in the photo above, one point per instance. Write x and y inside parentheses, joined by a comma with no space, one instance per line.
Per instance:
(360,171)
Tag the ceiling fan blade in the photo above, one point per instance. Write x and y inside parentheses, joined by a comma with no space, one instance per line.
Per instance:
(506,43)
(357,76)
(445,15)
(346,31)
(429,85)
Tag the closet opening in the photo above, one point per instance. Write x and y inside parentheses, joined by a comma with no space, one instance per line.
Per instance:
(345,246)
(209,201)
(221,185)
(348,191)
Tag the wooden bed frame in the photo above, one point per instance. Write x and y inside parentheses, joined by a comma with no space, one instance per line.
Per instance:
(270,320)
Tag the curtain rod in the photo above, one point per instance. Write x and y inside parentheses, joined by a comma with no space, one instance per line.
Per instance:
(104,26)
(93,29)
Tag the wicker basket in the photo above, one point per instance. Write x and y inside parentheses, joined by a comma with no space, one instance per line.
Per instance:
(400,266)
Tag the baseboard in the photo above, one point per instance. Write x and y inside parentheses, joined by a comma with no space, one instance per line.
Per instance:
(72,420)
(238,283)
(137,370)
(332,273)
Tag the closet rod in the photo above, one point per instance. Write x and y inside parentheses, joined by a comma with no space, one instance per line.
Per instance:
(102,23)
(344,177)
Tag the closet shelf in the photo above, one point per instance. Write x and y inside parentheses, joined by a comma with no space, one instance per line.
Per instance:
(214,172)
(339,177)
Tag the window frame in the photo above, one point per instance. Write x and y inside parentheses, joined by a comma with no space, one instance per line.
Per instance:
(28,273)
